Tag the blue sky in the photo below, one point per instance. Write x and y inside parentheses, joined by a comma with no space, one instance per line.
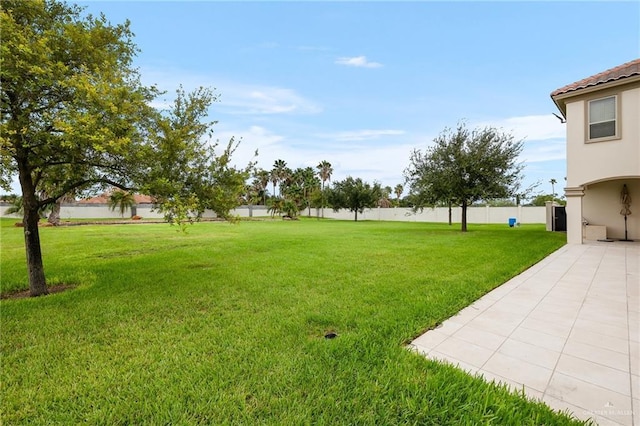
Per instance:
(361,84)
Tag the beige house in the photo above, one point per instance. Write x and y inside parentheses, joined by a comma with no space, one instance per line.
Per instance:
(602,113)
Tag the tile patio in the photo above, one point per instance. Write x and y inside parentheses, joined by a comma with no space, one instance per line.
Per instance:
(567,331)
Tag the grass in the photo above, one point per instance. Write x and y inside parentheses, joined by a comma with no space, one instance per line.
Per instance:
(225,325)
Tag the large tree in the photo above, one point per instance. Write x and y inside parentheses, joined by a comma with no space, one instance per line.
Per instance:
(75,118)
(354,195)
(463,167)
(72,108)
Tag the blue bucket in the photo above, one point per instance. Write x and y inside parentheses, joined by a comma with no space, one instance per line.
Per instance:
(512,222)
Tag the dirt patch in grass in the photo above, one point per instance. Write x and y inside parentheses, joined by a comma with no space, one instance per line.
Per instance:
(59,288)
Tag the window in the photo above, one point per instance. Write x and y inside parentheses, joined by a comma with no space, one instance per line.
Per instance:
(602,118)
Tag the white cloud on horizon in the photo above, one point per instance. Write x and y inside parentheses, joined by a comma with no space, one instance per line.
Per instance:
(543,135)
(357,61)
(529,127)
(361,135)
(384,163)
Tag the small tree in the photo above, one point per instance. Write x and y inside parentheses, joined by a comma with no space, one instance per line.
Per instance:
(398,190)
(465,166)
(354,195)
(185,174)
(121,200)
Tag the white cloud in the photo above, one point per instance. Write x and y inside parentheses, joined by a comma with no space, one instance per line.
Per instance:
(234,97)
(530,127)
(544,136)
(384,163)
(358,61)
(539,151)
(248,99)
(361,135)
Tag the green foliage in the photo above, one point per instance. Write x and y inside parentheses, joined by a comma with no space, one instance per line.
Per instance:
(278,174)
(463,167)
(354,195)
(398,190)
(71,101)
(8,198)
(181,211)
(224,183)
(16,206)
(296,188)
(121,200)
(261,181)
(178,157)
(225,325)
(275,206)
(325,170)
(185,174)
(540,200)
(73,113)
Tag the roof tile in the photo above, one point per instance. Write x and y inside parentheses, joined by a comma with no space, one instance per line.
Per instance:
(621,71)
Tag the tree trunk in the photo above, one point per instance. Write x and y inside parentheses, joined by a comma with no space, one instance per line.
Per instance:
(31,216)
(54,216)
(464,216)
(323,199)
(37,282)
(356,215)
(450,213)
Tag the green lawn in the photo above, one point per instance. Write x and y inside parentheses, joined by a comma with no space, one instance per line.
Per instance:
(225,325)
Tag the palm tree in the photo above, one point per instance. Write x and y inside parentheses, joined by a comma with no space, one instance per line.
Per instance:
(309,183)
(384,201)
(262,177)
(553,190)
(54,214)
(122,199)
(398,191)
(324,171)
(16,206)
(276,206)
(286,180)
(277,174)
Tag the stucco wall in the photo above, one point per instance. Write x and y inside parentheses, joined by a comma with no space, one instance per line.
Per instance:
(601,206)
(595,161)
(596,171)
(440,214)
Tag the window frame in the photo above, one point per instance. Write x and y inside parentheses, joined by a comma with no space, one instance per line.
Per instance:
(616,120)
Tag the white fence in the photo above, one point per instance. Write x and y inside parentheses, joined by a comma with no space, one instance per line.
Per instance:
(441,214)
(438,214)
